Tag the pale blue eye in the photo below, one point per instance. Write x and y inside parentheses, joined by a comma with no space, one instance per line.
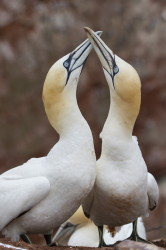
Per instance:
(66,64)
(116,69)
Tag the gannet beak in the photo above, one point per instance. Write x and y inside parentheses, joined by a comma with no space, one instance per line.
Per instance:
(104,53)
(66,229)
(78,56)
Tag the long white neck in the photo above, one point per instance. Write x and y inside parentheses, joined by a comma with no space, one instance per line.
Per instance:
(119,124)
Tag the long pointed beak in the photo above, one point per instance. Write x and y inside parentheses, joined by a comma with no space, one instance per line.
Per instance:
(105,54)
(78,56)
(64,231)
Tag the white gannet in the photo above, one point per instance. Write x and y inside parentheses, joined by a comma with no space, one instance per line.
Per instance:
(80,231)
(123,190)
(41,194)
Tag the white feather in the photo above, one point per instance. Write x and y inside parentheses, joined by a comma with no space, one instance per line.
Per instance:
(48,190)
(123,189)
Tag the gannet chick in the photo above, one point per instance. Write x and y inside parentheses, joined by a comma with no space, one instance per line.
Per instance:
(41,194)
(80,231)
(123,189)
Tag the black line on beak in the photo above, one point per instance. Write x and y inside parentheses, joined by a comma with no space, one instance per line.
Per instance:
(68,61)
(112,59)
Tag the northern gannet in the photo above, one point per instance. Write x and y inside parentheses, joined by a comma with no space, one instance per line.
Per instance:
(80,231)
(123,190)
(41,194)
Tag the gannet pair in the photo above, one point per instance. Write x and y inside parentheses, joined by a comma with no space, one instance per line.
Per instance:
(123,190)
(80,231)
(41,194)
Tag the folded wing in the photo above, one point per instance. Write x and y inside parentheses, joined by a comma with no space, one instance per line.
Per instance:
(153,192)
(18,195)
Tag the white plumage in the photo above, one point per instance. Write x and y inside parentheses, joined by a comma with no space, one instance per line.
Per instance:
(123,189)
(41,194)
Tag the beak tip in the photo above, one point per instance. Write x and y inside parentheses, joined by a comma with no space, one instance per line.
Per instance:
(91,33)
(99,33)
(87,29)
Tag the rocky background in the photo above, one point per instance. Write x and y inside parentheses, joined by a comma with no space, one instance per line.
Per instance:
(35,33)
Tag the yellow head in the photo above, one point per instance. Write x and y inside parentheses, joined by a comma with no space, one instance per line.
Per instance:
(59,91)
(122,78)
(120,75)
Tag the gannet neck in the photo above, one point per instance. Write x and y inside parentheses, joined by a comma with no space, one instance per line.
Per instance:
(62,109)
(122,116)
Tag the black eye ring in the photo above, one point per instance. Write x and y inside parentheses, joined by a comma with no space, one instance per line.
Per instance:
(66,64)
(116,69)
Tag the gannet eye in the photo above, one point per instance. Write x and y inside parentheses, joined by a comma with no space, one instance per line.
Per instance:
(116,69)
(66,64)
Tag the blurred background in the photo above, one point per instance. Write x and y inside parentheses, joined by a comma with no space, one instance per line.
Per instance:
(35,33)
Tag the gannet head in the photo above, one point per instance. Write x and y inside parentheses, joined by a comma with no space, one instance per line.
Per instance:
(122,78)
(125,88)
(59,91)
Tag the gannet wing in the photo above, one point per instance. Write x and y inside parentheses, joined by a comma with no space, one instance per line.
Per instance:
(153,191)
(26,170)
(18,195)
(152,187)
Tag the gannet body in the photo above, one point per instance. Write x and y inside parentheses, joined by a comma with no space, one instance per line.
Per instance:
(80,231)
(41,194)
(121,191)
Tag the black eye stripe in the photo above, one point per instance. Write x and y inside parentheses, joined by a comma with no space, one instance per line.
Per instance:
(114,72)
(67,63)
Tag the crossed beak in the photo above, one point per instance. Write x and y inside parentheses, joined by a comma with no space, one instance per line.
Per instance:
(77,57)
(105,54)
